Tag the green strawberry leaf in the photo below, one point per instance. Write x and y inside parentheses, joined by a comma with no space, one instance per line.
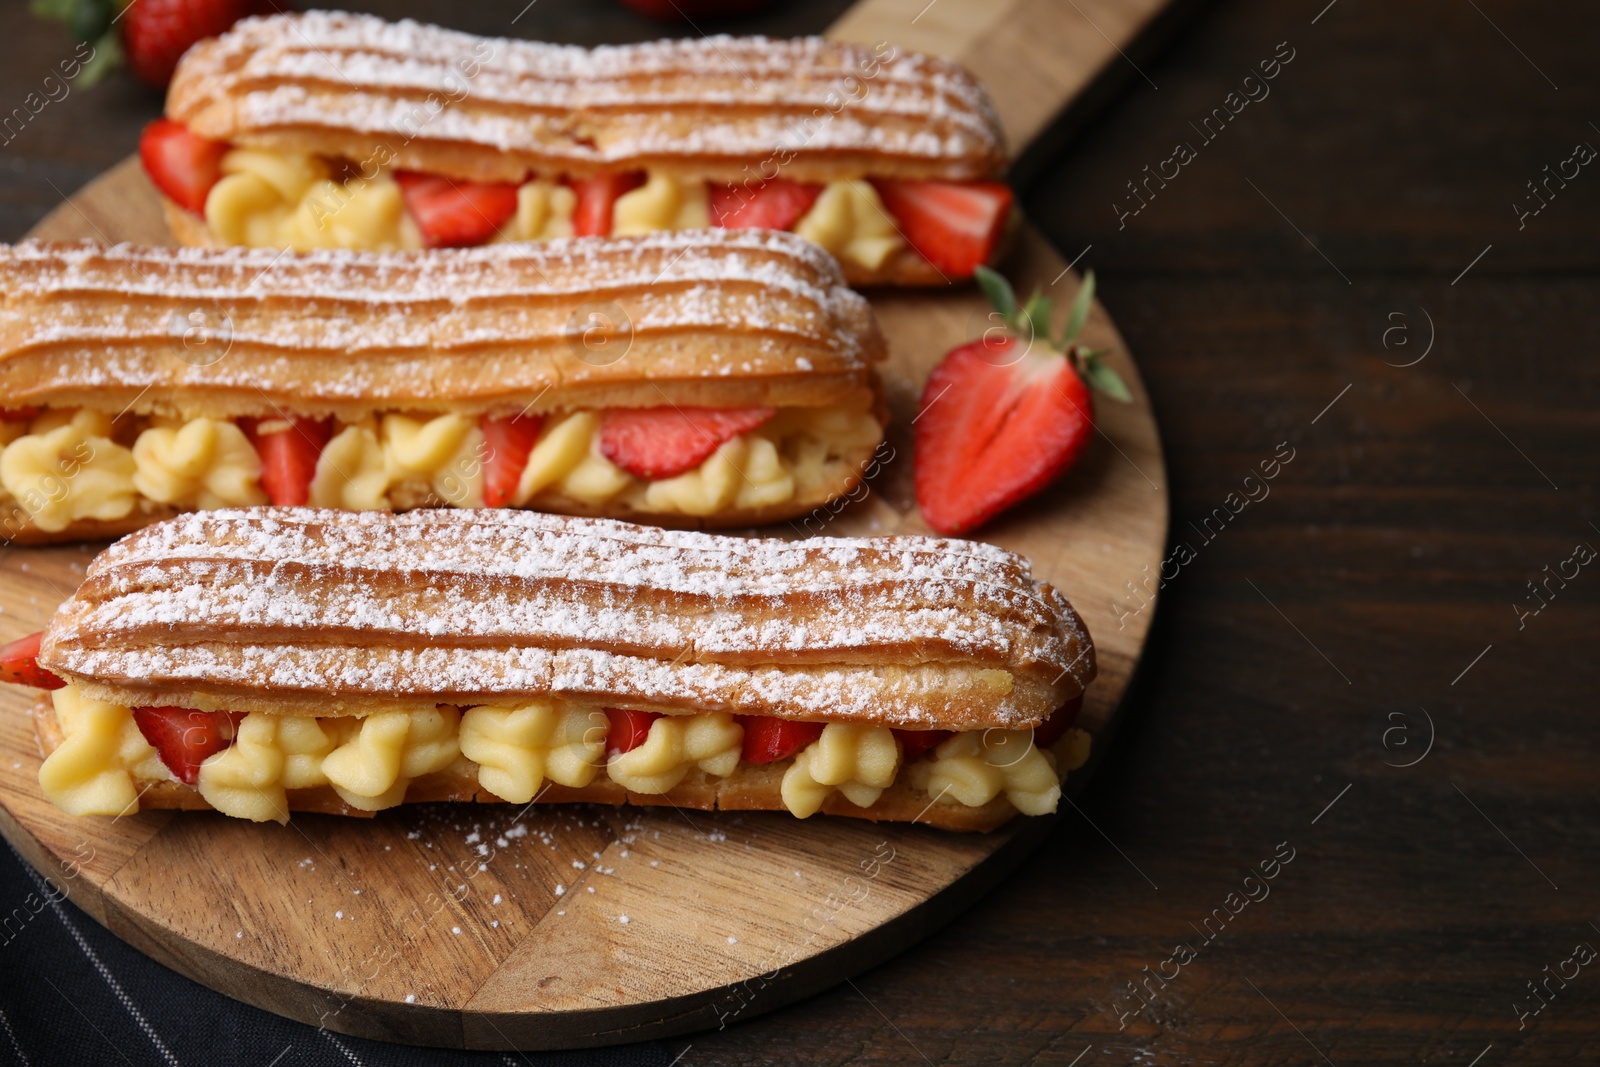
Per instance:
(1081,305)
(106,58)
(999,292)
(1037,313)
(59,10)
(1098,373)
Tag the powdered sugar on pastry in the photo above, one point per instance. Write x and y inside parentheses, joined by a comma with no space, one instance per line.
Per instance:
(316,612)
(493,108)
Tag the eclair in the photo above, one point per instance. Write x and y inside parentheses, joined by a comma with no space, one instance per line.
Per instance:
(333,130)
(719,377)
(270,660)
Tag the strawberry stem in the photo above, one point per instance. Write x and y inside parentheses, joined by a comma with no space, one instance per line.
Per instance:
(1033,320)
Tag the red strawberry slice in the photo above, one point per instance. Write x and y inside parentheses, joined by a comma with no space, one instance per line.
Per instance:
(509,441)
(596,197)
(955,225)
(664,442)
(997,425)
(18,414)
(1055,727)
(289,457)
(182,165)
(452,213)
(19,664)
(184,738)
(773,205)
(768,740)
(627,728)
(914,743)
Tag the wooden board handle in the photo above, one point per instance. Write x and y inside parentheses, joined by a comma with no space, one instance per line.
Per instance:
(1035,56)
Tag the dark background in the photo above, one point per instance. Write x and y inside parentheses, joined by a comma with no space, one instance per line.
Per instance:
(1317,243)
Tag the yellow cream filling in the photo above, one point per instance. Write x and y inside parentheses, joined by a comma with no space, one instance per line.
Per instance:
(850,221)
(67,468)
(66,465)
(797,452)
(281,199)
(662,203)
(286,200)
(858,760)
(370,761)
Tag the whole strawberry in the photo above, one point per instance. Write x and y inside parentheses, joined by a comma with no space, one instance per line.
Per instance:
(156,33)
(1004,416)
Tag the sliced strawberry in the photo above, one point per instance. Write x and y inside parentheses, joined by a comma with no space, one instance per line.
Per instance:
(627,728)
(509,441)
(19,664)
(914,743)
(1055,727)
(955,225)
(18,414)
(768,740)
(289,457)
(666,441)
(596,197)
(452,213)
(182,165)
(773,205)
(997,425)
(184,738)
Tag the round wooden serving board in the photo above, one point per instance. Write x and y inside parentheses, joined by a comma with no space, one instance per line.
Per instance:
(486,926)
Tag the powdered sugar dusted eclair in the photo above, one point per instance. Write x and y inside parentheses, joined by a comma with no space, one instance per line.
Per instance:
(273,660)
(708,378)
(336,130)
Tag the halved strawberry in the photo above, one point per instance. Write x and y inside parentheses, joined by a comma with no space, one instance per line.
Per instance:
(955,225)
(184,738)
(453,213)
(289,457)
(914,743)
(776,204)
(627,728)
(1055,727)
(19,664)
(1004,416)
(596,196)
(666,441)
(18,414)
(768,740)
(182,165)
(509,441)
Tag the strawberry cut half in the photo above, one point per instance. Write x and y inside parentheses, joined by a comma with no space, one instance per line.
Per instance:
(768,740)
(993,432)
(627,729)
(1055,727)
(19,664)
(183,166)
(18,414)
(452,213)
(956,226)
(596,197)
(289,457)
(663,442)
(914,743)
(776,204)
(185,738)
(509,441)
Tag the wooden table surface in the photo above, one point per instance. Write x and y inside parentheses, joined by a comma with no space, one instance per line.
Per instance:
(1339,274)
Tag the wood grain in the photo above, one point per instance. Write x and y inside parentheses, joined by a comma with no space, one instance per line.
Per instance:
(390,928)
